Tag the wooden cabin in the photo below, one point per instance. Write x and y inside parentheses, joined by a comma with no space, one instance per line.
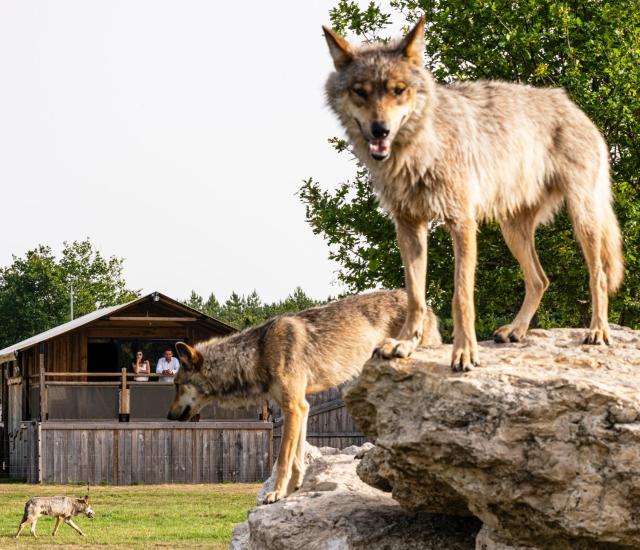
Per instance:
(72,411)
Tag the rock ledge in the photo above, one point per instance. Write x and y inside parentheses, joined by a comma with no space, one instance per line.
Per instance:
(542,442)
(335,510)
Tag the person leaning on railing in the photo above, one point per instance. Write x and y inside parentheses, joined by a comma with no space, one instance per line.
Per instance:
(167,365)
(141,366)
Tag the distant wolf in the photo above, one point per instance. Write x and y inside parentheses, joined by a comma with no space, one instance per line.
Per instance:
(287,357)
(62,508)
(469,152)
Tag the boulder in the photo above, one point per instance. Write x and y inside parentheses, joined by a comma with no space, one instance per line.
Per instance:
(541,442)
(335,510)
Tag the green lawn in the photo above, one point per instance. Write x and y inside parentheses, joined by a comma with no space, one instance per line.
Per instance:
(160,516)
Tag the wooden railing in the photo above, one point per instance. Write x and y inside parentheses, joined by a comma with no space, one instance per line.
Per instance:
(65,396)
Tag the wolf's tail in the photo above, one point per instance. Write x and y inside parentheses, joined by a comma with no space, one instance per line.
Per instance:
(611,250)
(26,511)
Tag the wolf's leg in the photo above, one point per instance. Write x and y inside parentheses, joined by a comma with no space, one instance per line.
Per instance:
(412,241)
(294,407)
(588,230)
(519,234)
(23,525)
(33,527)
(58,523)
(297,471)
(70,523)
(465,347)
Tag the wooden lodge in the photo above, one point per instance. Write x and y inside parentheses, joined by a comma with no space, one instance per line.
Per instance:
(71,410)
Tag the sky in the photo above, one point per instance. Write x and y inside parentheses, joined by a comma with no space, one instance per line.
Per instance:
(174,134)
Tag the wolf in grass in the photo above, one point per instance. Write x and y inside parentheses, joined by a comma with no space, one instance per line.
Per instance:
(62,508)
(287,357)
(470,152)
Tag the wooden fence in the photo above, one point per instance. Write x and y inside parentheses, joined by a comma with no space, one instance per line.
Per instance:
(329,425)
(22,456)
(145,452)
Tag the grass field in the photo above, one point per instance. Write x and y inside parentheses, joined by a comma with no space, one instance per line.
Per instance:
(159,516)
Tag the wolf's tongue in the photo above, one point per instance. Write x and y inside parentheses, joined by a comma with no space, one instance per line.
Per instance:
(379,147)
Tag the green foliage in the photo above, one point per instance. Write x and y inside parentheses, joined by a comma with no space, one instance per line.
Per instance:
(592,49)
(34,289)
(245,311)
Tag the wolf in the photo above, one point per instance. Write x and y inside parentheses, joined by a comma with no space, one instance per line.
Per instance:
(62,508)
(287,357)
(469,152)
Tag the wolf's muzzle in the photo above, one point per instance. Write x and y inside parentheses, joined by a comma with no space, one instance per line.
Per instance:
(181,416)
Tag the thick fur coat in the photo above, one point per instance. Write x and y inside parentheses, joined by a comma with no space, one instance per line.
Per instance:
(288,357)
(469,152)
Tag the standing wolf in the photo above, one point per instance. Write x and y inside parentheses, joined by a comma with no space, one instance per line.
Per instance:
(62,508)
(470,152)
(288,357)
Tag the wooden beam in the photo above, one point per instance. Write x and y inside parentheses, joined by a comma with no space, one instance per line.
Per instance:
(113,425)
(44,403)
(123,415)
(154,319)
(98,375)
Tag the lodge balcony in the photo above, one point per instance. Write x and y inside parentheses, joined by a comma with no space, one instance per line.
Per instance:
(115,397)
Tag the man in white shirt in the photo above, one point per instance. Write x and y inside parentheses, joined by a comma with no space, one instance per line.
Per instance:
(167,365)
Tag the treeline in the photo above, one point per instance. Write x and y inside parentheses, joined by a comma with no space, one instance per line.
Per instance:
(243,311)
(35,289)
(35,292)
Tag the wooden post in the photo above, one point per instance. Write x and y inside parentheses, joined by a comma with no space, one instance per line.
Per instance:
(40,461)
(44,393)
(264,415)
(123,415)
(270,459)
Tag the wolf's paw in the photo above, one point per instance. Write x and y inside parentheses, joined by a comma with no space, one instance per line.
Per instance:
(464,358)
(273,496)
(598,337)
(509,333)
(294,483)
(292,488)
(394,348)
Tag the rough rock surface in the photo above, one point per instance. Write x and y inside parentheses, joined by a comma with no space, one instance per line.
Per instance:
(541,442)
(335,510)
(487,540)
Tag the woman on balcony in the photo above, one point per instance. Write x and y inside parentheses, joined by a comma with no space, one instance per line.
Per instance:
(141,366)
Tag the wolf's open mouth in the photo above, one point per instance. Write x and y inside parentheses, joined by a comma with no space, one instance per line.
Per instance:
(380,148)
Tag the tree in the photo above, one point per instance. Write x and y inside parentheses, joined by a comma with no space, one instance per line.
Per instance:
(97,281)
(592,49)
(244,311)
(34,289)
(195,301)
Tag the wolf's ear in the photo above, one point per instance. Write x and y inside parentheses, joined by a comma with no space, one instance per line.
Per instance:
(339,49)
(189,356)
(412,46)
(86,498)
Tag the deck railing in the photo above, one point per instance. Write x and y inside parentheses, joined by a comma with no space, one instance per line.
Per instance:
(109,396)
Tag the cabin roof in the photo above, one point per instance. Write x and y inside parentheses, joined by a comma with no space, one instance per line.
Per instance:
(11,352)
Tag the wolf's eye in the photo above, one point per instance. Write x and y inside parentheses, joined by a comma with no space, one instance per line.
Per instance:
(360,92)
(398,90)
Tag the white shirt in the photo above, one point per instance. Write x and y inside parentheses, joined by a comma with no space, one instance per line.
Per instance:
(163,364)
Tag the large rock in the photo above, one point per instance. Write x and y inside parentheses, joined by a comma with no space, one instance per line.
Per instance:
(542,442)
(335,510)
